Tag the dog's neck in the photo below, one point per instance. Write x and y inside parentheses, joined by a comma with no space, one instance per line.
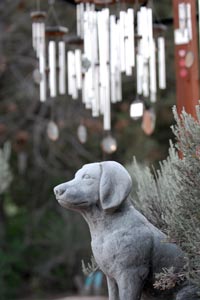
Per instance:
(99,220)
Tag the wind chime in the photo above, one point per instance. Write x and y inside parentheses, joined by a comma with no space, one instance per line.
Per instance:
(50,50)
(111,47)
(146,62)
(114,44)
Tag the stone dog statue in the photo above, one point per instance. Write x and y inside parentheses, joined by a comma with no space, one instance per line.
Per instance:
(126,246)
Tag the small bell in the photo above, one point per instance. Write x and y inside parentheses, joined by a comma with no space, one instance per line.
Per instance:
(52,131)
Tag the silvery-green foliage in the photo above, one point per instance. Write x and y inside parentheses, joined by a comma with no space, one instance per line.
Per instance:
(5,172)
(155,189)
(170,197)
(90,268)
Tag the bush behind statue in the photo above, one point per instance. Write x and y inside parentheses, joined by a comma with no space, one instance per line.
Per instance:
(170,197)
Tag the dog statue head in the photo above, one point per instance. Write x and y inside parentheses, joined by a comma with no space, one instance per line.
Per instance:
(107,183)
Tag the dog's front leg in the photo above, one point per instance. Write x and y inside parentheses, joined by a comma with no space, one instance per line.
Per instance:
(130,286)
(112,289)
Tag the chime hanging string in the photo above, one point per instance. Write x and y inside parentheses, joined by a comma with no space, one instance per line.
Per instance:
(38,5)
(51,11)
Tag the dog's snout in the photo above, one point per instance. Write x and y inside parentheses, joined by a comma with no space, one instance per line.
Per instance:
(59,191)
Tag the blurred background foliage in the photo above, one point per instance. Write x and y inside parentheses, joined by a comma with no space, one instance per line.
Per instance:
(41,244)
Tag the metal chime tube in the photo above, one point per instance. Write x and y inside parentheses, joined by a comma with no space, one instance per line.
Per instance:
(72,85)
(52,69)
(78,68)
(152,70)
(95,67)
(107,111)
(113,58)
(96,92)
(101,44)
(161,63)
(34,35)
(127,48)
(189,20)
(103,34)
(122,17)
(88,54)
(42,65)
(38,38)
(73,77)
(145,49)
(182,16)
(78,19)
(69,76)
(118,78)
(139,56)
(81,13)
(62,70)
(131,36)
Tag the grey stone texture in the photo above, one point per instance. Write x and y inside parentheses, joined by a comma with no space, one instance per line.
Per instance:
(126,246)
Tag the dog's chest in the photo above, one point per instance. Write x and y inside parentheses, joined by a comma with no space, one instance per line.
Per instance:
(112,252)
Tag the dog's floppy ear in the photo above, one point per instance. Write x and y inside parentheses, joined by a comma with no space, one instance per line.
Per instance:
(115,185)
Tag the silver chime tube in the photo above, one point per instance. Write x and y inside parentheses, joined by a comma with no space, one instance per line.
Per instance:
(104,58)
(107,105)
(73,77)
(139,73)
(38,38)
(96,103)
(182,16)
(139,55)
(34,35)
(62,70)
(152,71)
(145,85)
(189,20)
(113,58)
(78,19)
(131,36)
(118,78)
(69,73)
(127,49)
(95,68)
(150,27)
(161,63)
(52,69)
(88,56)
(78,67)
(122,16)
(42,65)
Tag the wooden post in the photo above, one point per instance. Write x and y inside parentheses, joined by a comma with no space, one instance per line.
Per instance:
(186,61)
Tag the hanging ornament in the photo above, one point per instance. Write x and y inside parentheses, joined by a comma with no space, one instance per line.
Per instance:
(82,134)
(149,121)
(52,131)
(137,109)
(37,76)
(109,144)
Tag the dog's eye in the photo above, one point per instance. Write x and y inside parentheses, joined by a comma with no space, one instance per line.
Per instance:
(86,176)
